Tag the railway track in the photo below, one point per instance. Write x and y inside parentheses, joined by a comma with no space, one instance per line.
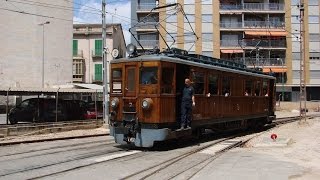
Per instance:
(60,123)
(164,170)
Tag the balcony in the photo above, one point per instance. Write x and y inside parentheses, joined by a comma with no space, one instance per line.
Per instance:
(249,43)
(97,53)
(77,53)
(252,24)
(263,43)
(145,6)
(149,44)
(263,6)
(262,61)
(253,6)
(142,26)
(230,25)
(264,24)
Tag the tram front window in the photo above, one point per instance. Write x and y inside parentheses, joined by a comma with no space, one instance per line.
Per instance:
(149,75)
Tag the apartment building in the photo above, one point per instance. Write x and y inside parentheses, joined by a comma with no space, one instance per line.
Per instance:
(258,33)
(35,44)
(311,48)
(87,50)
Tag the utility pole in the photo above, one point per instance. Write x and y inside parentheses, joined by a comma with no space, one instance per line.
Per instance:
(303,105)
(42,24)
(105,66)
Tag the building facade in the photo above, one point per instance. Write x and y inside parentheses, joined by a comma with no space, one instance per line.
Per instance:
(260,33)
(35,44)
(87,50)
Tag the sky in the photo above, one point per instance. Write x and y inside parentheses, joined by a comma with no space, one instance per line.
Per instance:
(118,11)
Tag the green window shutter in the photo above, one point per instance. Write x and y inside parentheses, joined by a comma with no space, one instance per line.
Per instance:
(98,47)
(75,48)
(98,72)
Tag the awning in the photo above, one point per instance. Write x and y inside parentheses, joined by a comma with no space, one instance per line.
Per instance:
(266,33)
(275,70)
(230,51)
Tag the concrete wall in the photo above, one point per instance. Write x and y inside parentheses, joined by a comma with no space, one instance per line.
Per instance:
(21,44)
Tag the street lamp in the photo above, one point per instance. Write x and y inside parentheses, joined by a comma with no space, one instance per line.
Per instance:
(282,78)
(42,24)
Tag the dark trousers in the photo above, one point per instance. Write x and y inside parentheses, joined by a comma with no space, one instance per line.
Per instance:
(186,113)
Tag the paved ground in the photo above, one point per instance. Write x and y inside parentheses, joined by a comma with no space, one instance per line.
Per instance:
(300,159)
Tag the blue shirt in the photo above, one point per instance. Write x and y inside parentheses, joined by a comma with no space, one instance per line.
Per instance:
(187,94)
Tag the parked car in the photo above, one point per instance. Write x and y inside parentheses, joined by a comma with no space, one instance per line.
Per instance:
(92,113)
(44,110)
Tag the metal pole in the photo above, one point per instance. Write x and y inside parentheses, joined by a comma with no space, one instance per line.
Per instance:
(57,97)
(303,106)
(7,107)
(43,56)
(42,24)
(105,65)
(95,104)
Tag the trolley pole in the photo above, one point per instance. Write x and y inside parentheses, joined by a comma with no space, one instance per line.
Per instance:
(105,66)
(303,105)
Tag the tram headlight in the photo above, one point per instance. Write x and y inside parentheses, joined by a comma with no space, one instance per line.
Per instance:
(146,103)
(114,103)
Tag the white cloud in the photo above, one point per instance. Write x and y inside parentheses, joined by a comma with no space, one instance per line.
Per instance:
(118,12)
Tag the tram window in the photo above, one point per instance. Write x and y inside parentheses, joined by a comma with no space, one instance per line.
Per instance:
(257,89)
(213,84)
(116,80)
(131,79)
(198,79)
(265,88)
(149,75)
(116,73)
(167,80)
(226,84)
(248,88)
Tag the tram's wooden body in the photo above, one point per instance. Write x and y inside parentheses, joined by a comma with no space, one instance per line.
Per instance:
(145,96)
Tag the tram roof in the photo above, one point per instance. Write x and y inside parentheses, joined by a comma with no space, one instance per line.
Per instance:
(193,62)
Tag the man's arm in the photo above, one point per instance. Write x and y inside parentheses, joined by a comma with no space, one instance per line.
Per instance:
(193,101)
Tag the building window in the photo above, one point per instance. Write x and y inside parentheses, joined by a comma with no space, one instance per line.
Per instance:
(171,18)
(206,2)
(191,18)
(206,37)
(98,48)
(313,19)
(75,47)
(313,2)
(314,37)
(207,18)
(189,1)
(98,72)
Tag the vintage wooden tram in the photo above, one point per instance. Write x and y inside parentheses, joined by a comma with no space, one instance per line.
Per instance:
(145,96)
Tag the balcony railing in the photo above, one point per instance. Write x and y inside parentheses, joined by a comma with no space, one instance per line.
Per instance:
(263,24)
(97,53)
(230,25)
(77,53)
(145,6)
(263,43)
(253,43)
(263,6)
(251,24)
(254,6)
(146,25)
(262,61)
(147,44)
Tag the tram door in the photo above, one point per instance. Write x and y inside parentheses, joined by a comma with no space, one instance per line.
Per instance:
(182,72)
(130,81)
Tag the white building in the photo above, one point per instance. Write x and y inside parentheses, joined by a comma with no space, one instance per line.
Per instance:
(87,50)
(36,44)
